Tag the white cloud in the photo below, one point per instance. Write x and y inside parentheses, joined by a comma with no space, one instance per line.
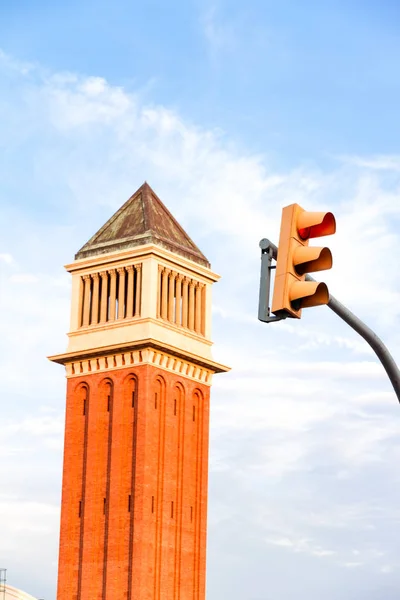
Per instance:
(376,163)
(353,564)
(34,426)
(301,545)
(220,34)
(387,569)
(24,278)
(6,258)
(15,66)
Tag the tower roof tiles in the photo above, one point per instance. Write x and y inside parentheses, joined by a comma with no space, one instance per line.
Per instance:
(143,219)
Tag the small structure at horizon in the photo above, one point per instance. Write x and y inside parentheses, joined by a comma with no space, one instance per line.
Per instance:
(8,592)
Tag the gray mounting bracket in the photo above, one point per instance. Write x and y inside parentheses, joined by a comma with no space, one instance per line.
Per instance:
(269,252)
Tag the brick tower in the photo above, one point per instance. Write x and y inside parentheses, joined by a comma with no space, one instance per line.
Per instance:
(139,370)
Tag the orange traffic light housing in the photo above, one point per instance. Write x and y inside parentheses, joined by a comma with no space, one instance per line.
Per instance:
(296,258)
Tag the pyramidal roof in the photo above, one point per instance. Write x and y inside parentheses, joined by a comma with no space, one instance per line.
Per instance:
(143,219)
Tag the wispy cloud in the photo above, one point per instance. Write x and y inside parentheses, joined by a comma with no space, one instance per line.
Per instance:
(219,33)
(6,258)
(24,278)
(375,163)
(301,545)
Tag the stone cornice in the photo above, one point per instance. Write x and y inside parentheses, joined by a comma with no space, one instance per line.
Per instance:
(159,349)
(120,258)
(131,320)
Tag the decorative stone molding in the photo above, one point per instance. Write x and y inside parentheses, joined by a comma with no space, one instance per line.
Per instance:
(149,356)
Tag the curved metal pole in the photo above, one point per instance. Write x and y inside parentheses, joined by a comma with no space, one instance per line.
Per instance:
(355,323)
(370,337)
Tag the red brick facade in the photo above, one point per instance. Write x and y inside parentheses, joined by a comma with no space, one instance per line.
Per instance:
(134,499)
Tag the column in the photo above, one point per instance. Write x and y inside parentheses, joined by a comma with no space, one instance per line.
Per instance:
(164,291)
(138,290)
(191,304)
(185,302)
(80,303)
(129,294)
(171,295)
(95,299)
(203,309)
(198,308)
(178,314)
(104,296)
(121,293)
(207,310)
(159,291)
(86,300)
(113,293)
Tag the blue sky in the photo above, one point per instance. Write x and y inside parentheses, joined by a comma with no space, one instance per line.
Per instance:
(307,79)
(229,112)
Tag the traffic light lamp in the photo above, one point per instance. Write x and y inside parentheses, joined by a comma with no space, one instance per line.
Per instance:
(296,258)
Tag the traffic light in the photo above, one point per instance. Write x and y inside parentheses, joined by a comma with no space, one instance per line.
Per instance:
(296,258)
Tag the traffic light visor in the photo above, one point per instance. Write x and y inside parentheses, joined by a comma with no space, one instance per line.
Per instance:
(304,294)
(308,259)
(315,224)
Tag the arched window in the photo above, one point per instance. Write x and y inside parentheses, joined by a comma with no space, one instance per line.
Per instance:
(82,398)
(106,394)
(130,390)
(159,388)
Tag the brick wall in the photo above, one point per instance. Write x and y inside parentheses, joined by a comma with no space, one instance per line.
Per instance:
(133,519)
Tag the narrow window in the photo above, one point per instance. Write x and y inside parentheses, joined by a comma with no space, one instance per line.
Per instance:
(155,400)
(129,502)
(80,509)
(104,505)
(84,406)
(194,413)
(191,513)
(172,510)
(133,399)
(108,402)
(175,406)
(152,504)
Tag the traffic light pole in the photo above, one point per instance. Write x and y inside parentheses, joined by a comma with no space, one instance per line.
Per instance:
(268,252)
